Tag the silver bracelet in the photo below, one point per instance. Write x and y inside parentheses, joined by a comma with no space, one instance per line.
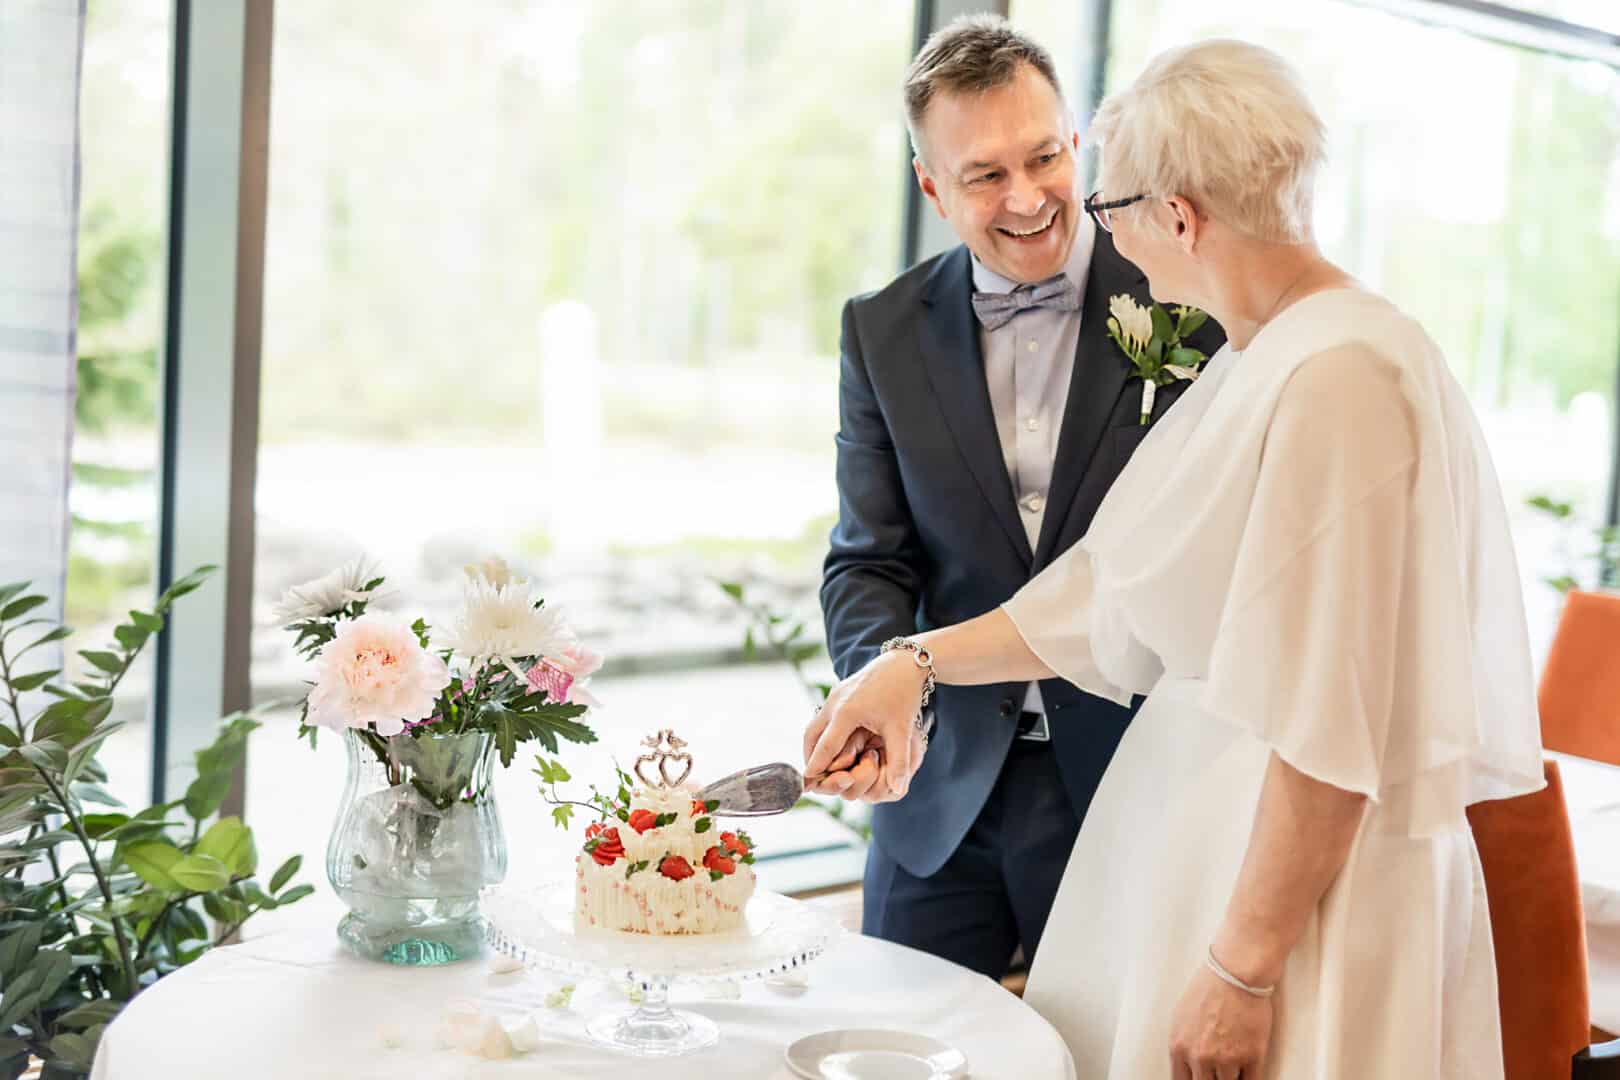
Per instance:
(1232,980)
(925,660)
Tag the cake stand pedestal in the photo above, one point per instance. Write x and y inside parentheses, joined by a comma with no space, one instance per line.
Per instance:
(536,927)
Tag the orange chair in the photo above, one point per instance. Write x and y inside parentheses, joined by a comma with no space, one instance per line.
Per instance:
(1580,687)
(1528,855)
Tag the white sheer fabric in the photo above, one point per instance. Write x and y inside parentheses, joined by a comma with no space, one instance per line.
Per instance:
(39,195)
(1308,556)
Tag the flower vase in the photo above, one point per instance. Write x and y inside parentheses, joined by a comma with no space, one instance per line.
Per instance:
(417,839)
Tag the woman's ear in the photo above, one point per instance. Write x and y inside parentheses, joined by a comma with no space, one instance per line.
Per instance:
(1184,222)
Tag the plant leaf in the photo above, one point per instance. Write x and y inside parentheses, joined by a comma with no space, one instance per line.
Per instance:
(33,680)
(285,872)
(153,862)
(150,623)
(200,873)
(17,608)
(294,895)
(91,1013)
(187,584)
(206,793)
(231,842)
(17,950)
(111,663)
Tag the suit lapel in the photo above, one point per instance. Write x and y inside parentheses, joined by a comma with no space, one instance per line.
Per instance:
(955,364)
(1101,372)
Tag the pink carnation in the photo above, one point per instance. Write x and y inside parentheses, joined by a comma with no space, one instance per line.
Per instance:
(375,672)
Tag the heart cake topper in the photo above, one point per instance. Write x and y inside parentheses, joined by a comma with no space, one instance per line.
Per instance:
(668,751)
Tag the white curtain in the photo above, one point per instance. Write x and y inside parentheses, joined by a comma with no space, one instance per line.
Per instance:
(40,50)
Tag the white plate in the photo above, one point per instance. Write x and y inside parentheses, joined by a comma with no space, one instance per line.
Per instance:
(875,1055)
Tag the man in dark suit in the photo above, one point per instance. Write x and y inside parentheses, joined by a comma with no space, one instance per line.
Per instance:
(984,413)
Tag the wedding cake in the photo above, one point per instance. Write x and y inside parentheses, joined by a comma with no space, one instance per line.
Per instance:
(661,865)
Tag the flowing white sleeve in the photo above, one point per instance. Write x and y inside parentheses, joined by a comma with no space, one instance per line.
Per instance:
(1056,613)
(1311,653)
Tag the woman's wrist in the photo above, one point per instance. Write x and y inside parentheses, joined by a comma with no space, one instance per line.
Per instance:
(1253,955)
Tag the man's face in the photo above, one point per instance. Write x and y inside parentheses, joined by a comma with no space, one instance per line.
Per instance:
(1001,169)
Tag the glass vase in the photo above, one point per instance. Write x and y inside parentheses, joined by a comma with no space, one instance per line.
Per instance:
(417,837)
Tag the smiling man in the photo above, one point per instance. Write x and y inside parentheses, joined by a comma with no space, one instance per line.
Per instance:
(984,412)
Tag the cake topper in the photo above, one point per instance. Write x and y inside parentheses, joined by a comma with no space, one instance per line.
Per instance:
(667,749)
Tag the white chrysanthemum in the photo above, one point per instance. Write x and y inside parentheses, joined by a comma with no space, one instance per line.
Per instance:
(329,594)
(375,672)
(1135,321)
(501,622)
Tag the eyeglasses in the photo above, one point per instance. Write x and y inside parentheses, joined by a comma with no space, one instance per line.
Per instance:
(1100,211)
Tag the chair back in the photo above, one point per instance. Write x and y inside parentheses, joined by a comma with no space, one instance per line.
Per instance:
(1580,686)
(1528,855)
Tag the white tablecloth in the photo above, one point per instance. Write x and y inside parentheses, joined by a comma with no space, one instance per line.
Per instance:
(294,1005)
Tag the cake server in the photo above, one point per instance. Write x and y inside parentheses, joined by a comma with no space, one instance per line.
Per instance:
(755,792)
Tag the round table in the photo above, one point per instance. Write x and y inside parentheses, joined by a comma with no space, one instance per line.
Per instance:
(294,1004)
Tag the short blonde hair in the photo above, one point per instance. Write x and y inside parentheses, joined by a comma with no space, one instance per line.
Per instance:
(1224,124)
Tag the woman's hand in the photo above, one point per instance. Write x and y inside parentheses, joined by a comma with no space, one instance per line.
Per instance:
(1218,1032)
(865,735)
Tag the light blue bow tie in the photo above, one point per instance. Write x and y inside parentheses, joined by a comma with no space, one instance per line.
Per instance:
(995,310)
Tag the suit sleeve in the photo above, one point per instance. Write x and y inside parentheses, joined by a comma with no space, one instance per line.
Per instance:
(871,581)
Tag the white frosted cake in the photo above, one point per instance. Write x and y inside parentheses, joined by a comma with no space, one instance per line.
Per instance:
(663,867)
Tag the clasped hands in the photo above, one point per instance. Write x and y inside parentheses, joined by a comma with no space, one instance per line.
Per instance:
(863,743)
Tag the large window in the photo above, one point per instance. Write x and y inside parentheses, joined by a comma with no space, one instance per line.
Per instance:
(1477,185)
(547,281)
(114,495)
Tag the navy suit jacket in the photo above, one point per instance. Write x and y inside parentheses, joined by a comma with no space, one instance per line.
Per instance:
(928,530)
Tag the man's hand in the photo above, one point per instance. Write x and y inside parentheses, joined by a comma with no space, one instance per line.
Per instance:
(866,727)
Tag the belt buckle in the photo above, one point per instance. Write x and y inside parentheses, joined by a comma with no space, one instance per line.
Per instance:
(1038,732)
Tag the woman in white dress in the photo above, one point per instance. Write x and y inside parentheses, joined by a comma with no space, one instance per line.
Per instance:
(1306,568)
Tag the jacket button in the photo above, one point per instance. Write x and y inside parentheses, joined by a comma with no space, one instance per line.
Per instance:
(1008,708)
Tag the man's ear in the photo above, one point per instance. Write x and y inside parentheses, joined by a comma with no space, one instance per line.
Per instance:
(925,184)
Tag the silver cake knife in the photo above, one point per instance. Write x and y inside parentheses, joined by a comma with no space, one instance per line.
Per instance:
(757,791)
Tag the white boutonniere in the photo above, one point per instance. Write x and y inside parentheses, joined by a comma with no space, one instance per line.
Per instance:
(1154,344)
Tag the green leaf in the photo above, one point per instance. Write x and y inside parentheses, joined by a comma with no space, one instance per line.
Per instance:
(131,637)
(45,753)
(91,1014)
(150,623)
(231,842)
(285,872)
(9,738)
(56,965)
(185,585)
(748,644)
(111,663)
(9,591)
(33,680)
(22,994)
(562,815)
(1189,322)
(95,793)
(200,873)
(58,634)
(17,950)
(731,589)
(206,793)
(703,825)
(17,608)
(292,896)
(73,1049)
(84,752)
(98,826)
(153,862)
(1162,328)
(1185,357)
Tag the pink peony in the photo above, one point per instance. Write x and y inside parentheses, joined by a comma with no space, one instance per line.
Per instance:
(375,672)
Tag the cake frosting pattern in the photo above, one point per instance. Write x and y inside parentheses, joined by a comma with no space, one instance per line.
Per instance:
(661,866)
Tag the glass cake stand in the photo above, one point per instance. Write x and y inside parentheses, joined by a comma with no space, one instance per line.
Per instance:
(535,925)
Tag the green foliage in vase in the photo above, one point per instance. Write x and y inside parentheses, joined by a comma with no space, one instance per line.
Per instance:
(98,902)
